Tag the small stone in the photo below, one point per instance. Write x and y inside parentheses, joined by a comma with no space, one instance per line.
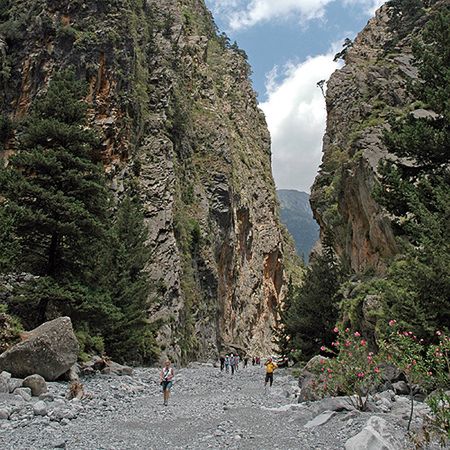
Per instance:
(5,375)
(4,388)
(401,388)
(37,385)
(40,408)
(4,413)
(24,392)
(47,397)
(14,383)
(321,419)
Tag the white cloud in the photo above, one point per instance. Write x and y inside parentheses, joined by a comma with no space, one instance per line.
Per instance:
(296,116)
(370,6)
(247,13)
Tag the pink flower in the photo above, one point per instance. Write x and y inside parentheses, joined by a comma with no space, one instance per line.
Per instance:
(376,370)
(323,348)
(357,334)
(392,323)
(360,374)
(363,342)
(347,343)
(322,361)
(429,374)
(329,370)
(439,333)
(336,329)
(347,330)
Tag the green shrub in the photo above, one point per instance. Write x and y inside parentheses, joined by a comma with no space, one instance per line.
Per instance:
(10,329)
(89,345)
(354,371)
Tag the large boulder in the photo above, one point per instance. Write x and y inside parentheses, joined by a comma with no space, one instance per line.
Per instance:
(113,368)
(49,350)
(308,379)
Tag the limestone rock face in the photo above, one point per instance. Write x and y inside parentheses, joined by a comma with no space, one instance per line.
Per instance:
(181,126)
(49,350)
(370,86)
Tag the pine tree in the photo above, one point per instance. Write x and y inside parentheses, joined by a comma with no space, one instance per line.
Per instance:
(132,338)
(416,189)
(313,311)
(54,187)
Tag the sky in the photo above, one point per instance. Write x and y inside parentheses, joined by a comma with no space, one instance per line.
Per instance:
(290,45)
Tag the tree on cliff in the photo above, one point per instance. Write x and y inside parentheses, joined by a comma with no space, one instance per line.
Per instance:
(57,208)
(54,185)
(415,188)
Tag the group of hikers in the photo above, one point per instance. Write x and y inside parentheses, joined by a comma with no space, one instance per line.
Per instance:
(228,362)
(231,363)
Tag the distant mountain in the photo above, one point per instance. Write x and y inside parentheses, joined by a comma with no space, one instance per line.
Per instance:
(296,214)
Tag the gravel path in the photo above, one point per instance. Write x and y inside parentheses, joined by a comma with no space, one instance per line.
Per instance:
(207,409)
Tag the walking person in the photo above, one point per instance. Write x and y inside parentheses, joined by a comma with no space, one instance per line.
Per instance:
(245,361)
(227,363)
(166,381)
(270,368)
(222,362)
(232,363)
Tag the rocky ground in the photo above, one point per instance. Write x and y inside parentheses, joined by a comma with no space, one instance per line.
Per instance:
(208,409)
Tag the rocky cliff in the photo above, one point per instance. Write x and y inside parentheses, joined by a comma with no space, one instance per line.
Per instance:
(180,124)
(370,88)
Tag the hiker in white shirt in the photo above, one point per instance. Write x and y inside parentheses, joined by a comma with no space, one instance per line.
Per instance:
(166,380)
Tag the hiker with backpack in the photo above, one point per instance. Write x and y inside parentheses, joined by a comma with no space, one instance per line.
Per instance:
(166,381)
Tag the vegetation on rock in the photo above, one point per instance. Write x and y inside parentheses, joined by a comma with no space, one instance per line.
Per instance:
(57,210)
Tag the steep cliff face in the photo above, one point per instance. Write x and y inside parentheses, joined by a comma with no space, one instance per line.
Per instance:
(180,124)
(371,87)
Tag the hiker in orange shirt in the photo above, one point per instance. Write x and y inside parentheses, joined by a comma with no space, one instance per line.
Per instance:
(270,368)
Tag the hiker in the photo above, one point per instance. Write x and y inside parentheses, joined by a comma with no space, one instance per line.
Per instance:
(232,363)
(245,362)
(270,367)
(236,362)
(166,381)
(222,362)
(253,361)
(227,363)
